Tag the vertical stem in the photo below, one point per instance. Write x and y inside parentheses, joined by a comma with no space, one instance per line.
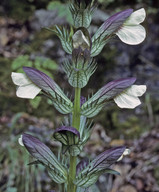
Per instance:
(76,124)
(76,110)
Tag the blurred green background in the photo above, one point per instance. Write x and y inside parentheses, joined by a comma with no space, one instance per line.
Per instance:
(23,42)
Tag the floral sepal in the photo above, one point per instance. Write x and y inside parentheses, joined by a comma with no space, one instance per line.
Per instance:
(44,155)
(101,164)
(70,139)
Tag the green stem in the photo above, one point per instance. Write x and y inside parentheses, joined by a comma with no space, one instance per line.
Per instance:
(75,123)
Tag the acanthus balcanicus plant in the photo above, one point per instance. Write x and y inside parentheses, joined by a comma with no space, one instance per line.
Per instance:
(73,135)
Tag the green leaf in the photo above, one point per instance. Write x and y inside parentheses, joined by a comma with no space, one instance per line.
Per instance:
(64,36)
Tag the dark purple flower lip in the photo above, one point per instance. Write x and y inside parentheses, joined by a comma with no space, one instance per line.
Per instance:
(65,129)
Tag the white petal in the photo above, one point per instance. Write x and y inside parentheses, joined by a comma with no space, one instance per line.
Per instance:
(136,17)
(20,141)
(79,39)
(28,91)
(129,97)
(132,35)
(20,79)
(136,90)
(127,101)
(126,152)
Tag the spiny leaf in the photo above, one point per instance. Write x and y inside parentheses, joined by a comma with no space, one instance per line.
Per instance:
(64,36)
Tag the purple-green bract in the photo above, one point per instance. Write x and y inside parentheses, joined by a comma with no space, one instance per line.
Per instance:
(107,158)
(37,149)
(61,102)
(40,79)
(113,23)
(41,152)
(113,88)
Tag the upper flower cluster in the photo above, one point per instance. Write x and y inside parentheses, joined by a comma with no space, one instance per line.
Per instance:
(124,24)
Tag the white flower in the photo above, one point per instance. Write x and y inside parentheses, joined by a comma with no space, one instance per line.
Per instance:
(26,89)
(129,97)
(126,152)
(20,141)
(80,40)
(132,32)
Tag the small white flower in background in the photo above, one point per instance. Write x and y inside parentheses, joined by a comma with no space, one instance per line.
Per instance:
(80,40)
(20,141)
(132,32)
(26,89)
(129,97)
(126,152)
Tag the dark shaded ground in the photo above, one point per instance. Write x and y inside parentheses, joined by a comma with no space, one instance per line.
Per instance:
(21,34)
